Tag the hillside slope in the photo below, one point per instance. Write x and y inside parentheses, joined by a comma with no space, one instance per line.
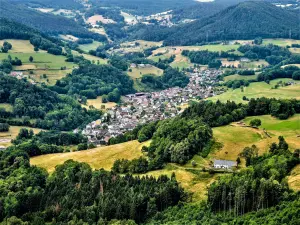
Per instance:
(246,20)
(44,22)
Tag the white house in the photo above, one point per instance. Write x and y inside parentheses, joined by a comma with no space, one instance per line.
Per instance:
(224,164)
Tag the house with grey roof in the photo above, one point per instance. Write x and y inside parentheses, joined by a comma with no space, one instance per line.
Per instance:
(224,164)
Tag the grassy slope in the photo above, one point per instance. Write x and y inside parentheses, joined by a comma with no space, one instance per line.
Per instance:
(101,157)
(97,103)
(239,77)
(139,72)
(260,89)
(92,46)
(13,132)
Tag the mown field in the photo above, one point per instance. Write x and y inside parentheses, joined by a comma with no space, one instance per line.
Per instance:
(97,158)
(6,137)
(139,72)
(97,103)
(260,89)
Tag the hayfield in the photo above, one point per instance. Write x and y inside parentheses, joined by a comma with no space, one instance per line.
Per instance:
(281,42)
(6,137)
(97,158)
(294,179)
(19,46)
(260,89)
(99,18)
(97,103)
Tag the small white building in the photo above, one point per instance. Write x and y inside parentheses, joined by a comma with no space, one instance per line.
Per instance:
(224,164)
(2,148)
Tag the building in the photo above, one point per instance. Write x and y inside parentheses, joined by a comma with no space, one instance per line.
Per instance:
(2,148)
(224,164)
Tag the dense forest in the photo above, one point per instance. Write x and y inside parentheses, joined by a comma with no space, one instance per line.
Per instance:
(47,109)
(95,80)
(45,22)
(246,20)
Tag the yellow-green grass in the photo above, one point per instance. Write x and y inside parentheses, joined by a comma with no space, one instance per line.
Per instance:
(281,42)
(239,77)
(129,19)
(294,179)
(92,46)
(51,75)
(68,37)
(97,158)
(41,60)
(139,72)
(19,46)
(260,89)
(295,50)
(6,106)
(92,58)
(97,103)
(234,138)
(6,137)
(289,129)
(298,65)
(181,62)
(195,183)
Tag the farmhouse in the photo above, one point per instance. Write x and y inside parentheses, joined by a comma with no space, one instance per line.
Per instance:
(224,164)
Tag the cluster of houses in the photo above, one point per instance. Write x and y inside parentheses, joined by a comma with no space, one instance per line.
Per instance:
(19,75)
(141,108)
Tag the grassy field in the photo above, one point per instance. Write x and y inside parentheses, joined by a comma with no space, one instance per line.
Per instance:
(6,137)
(19,46)
(6,106)
(260,89)
(92,46)
(239,77)
(97,103)
(281,42)
(139,72)
(101,157)
(294,179)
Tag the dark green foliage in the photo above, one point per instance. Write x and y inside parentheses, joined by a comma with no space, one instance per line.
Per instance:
(4,127)
(173,77)
(296,75)
(96,80)
(45,22)
(261,182)
(74,192)
(246,20)
(177,140)
(51,110)
(273,54)
(119,62)
(255,122)
(139,165)
(110,13)
(6,46)
(201,57)
(246,72)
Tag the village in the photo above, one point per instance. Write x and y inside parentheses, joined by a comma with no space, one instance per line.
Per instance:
(141,108)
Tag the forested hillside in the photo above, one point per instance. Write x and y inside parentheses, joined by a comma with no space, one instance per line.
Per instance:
(45,22)
(246,20)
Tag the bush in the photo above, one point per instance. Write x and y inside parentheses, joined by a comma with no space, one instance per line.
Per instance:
(296,75)
(255,123)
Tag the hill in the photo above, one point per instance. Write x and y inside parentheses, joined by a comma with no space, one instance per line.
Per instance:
(45,22)
(246,20)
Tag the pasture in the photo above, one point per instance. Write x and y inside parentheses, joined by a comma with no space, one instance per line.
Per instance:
(260,89)
(239,77)
(19,46)
(92,46)
(97,158)
(139,72)
(294,179)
